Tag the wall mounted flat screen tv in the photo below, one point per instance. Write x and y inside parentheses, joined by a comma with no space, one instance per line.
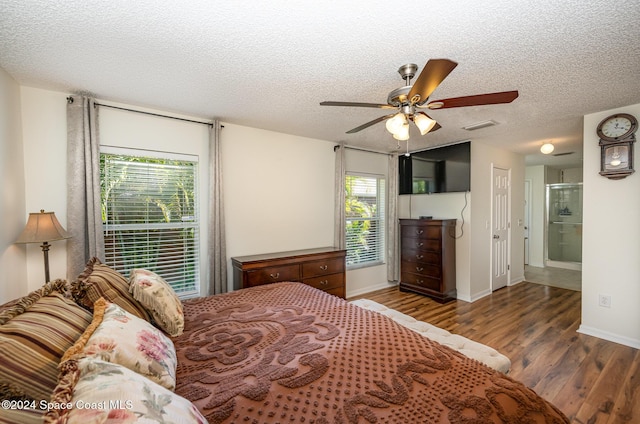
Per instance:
(444,169)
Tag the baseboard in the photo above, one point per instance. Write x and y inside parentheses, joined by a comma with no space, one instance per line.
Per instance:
(370,289)
(517,280)
(612,337)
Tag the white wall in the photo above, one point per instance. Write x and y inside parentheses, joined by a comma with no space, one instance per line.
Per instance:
(44,129)
(610,247)
(12,205)
(278,191)
(363,280)
(536,174)
(483,159)
(473,248)
(278,188)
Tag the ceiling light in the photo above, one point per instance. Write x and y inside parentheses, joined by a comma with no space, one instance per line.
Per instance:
(423,122)
(395,123)
(402,133)
(547,148)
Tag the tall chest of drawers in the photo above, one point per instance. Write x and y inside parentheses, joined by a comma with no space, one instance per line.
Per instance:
(322,268)
(428,257)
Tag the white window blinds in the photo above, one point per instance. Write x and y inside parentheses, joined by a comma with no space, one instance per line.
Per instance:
(364,212)
(150,217)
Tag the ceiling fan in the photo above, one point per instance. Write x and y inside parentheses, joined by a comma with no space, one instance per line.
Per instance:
(409,99)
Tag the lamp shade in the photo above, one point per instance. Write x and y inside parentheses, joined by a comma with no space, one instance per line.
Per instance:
(423,122)
(403,133)
(42,226)
(394,125)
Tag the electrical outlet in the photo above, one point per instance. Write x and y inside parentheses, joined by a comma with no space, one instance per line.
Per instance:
(604,301)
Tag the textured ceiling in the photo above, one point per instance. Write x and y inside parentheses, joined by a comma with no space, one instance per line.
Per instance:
(268,64)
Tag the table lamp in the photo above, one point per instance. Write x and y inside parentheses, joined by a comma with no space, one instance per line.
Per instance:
(43,227)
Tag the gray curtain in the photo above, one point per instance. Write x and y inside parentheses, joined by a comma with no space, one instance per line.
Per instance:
(217,244)
(84,216)
(393,263)
(339,212)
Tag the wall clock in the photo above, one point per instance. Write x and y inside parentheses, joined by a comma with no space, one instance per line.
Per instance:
(617,135)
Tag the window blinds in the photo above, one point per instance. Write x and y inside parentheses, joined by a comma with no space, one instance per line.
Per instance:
(150,217)
(365,228)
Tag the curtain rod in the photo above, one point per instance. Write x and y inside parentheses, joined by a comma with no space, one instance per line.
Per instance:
(157,114)
(70,100)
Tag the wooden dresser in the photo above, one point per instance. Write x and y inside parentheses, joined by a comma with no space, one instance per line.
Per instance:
(428,257)
(322,268)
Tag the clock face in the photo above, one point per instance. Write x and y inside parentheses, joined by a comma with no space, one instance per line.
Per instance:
(617,126)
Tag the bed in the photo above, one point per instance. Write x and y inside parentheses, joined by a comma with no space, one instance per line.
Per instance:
(282,352)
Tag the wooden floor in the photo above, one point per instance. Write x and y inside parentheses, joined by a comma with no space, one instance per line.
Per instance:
(589,379)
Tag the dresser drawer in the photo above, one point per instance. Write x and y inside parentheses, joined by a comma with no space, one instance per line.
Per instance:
(329,266)
(420,268)
(273,275)
(326,282)
(421,244)
(421,281)
(415,255)
(422,231)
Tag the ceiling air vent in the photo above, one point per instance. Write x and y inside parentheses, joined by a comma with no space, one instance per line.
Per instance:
(478,125)
(564,154)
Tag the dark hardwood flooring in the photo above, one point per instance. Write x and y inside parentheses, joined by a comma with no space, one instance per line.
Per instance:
(589,379)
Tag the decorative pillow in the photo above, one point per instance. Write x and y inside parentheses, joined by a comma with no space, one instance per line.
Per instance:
(34,334)
(119,337)
(157,296)
(99,280)
(116,394)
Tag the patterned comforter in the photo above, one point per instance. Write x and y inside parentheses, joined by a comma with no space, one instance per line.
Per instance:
(287,352)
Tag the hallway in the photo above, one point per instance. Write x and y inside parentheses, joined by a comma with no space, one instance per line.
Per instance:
(556,277)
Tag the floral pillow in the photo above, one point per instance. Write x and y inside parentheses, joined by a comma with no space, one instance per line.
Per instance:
(157,296)
(120,337)
(103,392)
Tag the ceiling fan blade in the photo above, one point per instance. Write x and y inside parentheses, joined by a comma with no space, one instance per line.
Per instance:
(370,123)
(477,100)
(434,72)
(356,104)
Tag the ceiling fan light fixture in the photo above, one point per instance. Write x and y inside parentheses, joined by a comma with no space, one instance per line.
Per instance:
(403,133)
(395,124)
(547,148)
(424,123)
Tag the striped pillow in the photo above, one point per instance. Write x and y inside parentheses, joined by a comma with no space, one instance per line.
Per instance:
(99,280)
(33,341)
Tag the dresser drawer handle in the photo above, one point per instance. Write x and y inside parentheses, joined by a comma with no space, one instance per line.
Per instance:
(277,274)
(419,232)
(324,282)
(324,267)
(419,256)
(420,281)
(419,269)
(420,244)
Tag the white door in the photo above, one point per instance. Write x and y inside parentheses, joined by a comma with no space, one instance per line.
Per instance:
(527,215)
(500,227)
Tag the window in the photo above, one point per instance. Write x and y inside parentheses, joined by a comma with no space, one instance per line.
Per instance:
(365,227)
(150,216)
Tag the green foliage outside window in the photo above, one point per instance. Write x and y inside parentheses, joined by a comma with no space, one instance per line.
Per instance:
(149,212)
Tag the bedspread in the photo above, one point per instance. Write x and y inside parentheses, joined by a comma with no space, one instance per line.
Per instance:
(286,352)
